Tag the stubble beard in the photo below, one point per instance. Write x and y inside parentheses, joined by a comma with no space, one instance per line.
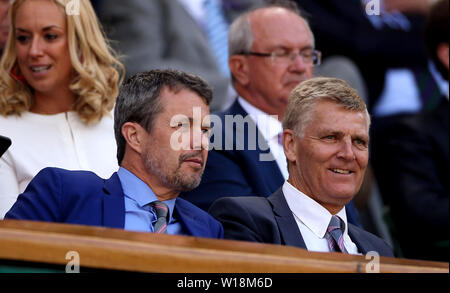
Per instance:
(174,180)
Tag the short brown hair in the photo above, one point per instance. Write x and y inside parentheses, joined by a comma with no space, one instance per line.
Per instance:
(139,99)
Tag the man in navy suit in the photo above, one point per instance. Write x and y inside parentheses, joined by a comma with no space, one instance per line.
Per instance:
(161,128)
(271,50)
(326,142)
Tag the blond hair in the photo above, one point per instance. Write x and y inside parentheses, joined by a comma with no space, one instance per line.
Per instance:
(98,70)
(299,111)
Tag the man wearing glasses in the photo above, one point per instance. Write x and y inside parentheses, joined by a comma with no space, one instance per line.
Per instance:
(271,50)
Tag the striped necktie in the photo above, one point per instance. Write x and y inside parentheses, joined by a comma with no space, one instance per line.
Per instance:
(162,213)
(334,235)
(217,32)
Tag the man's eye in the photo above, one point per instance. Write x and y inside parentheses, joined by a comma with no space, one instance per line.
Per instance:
(329,137)
(281,53)
(360,142)
(307,53)
(182,125)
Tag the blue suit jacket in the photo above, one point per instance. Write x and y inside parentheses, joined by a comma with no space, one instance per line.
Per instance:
(269,220)
(81,197)
(239,171)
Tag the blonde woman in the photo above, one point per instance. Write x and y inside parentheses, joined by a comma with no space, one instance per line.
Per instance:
(58,84)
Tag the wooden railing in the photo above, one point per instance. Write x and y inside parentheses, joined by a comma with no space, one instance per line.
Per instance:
(115,249)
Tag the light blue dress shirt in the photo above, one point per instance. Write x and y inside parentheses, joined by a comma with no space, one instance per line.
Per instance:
(139,215)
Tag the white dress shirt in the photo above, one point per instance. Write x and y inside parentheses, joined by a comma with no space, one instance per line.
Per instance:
(313,220)
(270,127)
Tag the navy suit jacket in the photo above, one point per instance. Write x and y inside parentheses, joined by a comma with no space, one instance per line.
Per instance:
(269,220)
(237,170)
(81,197)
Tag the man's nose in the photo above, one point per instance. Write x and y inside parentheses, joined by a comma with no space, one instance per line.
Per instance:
(346,151)
(197,138)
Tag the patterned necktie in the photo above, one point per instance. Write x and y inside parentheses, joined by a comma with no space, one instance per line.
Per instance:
(217,32)
(334,235)
(162,212)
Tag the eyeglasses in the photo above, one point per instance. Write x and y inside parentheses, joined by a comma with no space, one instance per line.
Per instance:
(309,56)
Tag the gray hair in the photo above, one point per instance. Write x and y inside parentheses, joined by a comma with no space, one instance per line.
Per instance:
(240,35)
(299,111)
(139,99)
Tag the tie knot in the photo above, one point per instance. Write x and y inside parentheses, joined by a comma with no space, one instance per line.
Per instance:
(161,209)
(336,223)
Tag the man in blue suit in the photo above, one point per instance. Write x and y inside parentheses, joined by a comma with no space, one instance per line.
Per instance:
(271,50)
(326,142)
(161,128)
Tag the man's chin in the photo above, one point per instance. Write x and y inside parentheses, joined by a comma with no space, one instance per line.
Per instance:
(187,184)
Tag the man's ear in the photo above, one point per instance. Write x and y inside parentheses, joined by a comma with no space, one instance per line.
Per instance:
(134,136)
(289,144)
(442,53)
(239,68)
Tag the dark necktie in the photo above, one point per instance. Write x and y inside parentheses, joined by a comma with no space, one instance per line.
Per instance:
(334,235)
(162,213)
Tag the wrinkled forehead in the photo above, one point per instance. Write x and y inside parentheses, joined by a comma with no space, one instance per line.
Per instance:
(276,26)
(332,115)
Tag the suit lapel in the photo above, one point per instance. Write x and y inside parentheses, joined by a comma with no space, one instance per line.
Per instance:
(287,225)
(113,203)
(188,219)
(362,245)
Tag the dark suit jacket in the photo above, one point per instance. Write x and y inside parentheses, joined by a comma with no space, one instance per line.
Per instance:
(81,197)
(269,220)
(236,169)
(342,28)
(412,165)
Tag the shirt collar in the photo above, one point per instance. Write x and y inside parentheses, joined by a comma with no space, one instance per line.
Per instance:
(268,125)
(137,190)
(313,215)
(441,82)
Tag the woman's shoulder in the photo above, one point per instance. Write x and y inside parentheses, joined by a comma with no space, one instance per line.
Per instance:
(10,123)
